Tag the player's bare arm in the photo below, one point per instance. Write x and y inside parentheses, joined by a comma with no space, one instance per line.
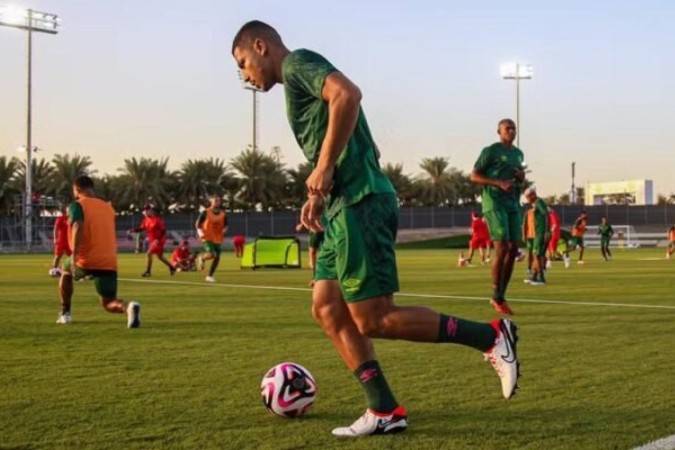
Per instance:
(76,233)
(344,100)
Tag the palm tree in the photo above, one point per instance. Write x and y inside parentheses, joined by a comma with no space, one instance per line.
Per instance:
(296,189)
(146,180)
(8,174)
(402,182)
(43,171)
(197,178)
(66,169)
(263,178)
(436,183)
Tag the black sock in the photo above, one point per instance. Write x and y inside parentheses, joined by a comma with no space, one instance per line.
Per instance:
(480,336)
(379,395)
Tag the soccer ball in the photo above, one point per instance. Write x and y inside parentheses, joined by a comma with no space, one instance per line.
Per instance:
(288,390)
(54,272)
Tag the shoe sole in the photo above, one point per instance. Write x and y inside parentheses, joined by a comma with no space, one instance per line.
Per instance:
(510,332)
(136,311)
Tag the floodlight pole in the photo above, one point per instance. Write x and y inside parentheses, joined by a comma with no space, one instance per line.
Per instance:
(254,110)
(29,138)
(517,72)
(30,21)
(574,190)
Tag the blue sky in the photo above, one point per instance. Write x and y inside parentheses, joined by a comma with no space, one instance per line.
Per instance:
(155,78)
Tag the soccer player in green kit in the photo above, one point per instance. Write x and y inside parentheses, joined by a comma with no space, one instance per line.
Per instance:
(606,232)
(539,217)
(356,273)
(499,169)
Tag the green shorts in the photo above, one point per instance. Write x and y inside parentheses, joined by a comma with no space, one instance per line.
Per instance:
(529,244)
(316,239)
(104,280)
(539,245)
(576,241)
(504,225)
(604,241)
(358,249)
(211,247)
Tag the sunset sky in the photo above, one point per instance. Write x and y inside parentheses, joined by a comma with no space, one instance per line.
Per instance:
(155,78)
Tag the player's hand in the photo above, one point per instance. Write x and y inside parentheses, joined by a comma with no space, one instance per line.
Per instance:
(310,214)
(505,185)
(320,181)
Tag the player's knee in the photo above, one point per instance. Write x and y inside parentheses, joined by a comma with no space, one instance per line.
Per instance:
(374,327)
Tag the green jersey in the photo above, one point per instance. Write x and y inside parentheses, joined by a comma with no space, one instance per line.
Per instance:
(357,170)
(540,217)
(500,163)
(605,231)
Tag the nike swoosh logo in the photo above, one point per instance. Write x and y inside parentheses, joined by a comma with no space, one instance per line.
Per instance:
(510,357)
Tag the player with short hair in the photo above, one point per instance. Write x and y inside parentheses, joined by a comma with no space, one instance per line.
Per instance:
(154,227)
(181,258)
(577,239)
(480,239)
(61,245)
(606,232)
(93,241)
(500,170)
(211,228)
(671,242)
(555,231)
(356,273)
(540,227)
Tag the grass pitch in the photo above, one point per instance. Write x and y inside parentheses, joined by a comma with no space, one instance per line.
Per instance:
(594,376)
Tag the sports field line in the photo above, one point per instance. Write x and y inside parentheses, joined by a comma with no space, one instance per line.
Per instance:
(667,443)
(404,294)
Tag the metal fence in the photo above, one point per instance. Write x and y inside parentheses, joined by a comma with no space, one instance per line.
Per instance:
(251,224)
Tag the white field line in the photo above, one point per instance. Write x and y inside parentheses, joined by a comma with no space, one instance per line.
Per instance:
(667,443)
(403,294)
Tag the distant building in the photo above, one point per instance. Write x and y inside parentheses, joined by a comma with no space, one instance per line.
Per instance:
(631,192)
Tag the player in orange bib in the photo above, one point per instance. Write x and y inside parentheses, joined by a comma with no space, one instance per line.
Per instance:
(93,240)
(61,245)
(211,228)
(577,240)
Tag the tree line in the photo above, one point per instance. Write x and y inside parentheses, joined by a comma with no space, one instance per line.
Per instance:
(252,180)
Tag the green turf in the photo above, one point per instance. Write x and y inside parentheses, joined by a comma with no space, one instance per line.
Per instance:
(460,241)
(594,377)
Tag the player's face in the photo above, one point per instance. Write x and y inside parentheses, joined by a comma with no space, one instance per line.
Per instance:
(507,132)
(215,202)
(255,64)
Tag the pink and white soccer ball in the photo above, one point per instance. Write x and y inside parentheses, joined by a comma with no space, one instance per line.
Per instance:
(288,390)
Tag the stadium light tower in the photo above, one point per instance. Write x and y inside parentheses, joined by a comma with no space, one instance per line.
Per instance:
(30,21)
(254,90)
(517,71)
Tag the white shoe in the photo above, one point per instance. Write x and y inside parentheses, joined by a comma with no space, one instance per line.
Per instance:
(210,279)
(527,281)
(133,315)
(503,356)
(372,423)
(548,264)
(581,263)
(64,318)
(537,283)
(567,262)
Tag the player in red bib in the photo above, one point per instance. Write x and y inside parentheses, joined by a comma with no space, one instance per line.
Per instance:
(480,238)
(154,227)
(61,245)
(554,223)
(238,241)
(181,258)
